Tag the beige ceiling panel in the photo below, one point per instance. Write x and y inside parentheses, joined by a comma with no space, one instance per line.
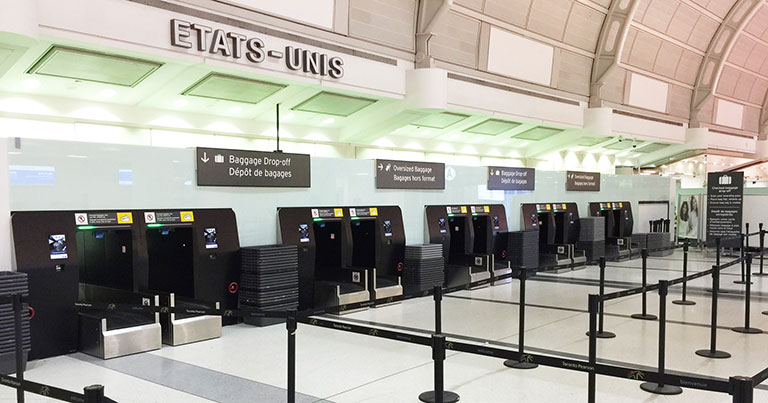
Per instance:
(668,59)
(604,3)
(757,93)
(476,5)
(659,14)
(683,21)
(583,27)
(511,11)
(688,68)
(641,10)
(717,7)
(741,50)
(703,32)
(456,40)
(548,17)
(644,50)
(575,73)
(614,85)
(759,24)
(707,110)
(679,101)
(757,57)
(728,80)
(631,35)
(744,86)
(751,119)
(391,21)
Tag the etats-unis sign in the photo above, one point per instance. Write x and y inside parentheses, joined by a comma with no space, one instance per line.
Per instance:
(203,38)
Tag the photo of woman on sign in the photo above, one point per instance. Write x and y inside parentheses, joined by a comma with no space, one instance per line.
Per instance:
(683,217)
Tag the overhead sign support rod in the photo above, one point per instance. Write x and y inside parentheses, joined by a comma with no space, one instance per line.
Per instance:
(277,121)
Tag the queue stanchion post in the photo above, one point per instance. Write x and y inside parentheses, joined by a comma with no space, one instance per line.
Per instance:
(93,394)
(743,278)
(712,351)
(762,249)
(601,333)
(522,362)
(438,394)
(742,389)
(291,327)
(644,315)
(594,306)
(747,329)
(660,387)
(685,300)
(19,347)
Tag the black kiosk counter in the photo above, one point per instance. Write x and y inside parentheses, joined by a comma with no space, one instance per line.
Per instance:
(346,254)
(618,226)
(558,225)
(471,236)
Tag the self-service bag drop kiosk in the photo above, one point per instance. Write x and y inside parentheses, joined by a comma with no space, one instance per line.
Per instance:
(192,262)
(58,249)
(468,235)
(619,224)
(323,238)
(558,225)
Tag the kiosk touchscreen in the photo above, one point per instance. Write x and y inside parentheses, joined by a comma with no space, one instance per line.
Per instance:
(558,225)
(619,225)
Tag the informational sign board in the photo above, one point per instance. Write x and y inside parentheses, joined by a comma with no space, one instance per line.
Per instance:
(409,175)
(105,218)
(725,207)
(506,178)
(582,181)
(223,167)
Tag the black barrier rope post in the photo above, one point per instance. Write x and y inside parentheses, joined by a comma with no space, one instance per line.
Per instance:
(644,315)
(93,394)
(743,279)
(594,305)
(742,389)
(522,362)
(712,352)
(684,301)
(762,247)
(747,298)
(19,346)
(439,394)
(291,326)
(660,388)
(601,333)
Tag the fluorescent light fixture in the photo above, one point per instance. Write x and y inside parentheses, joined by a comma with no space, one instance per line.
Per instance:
(76,156)
(425,132)
(180,103)
(524,144)
(107,93)
(30,84)
(329,121)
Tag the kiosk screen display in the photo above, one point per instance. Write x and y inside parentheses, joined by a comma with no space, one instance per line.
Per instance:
(58,246)
(211,239)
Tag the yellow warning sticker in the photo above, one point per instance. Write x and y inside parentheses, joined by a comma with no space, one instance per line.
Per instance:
(337,212)
(487,209)
(621,204)
(565,207)
(609,204)
(125,218)
(374,211)
(549,207)
(187,216)
(463,209)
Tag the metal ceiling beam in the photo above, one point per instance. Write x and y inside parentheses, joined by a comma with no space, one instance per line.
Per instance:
(717,52)
(430,13)
(610,45)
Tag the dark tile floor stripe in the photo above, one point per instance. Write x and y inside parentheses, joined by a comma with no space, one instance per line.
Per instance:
(202,382)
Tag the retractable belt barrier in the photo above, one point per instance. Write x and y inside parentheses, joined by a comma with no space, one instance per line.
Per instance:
(51,392)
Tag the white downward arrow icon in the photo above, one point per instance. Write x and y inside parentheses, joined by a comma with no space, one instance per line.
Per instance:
(205,157)
(381,167)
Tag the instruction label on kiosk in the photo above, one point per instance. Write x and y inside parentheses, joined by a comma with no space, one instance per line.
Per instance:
(506,178)
(582,181)
(725,205)
(106,218)
(392,174)
(223,167)
(168,217)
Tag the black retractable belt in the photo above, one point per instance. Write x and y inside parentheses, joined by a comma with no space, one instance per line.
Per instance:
(744,237)
(742,389)
(601,333)
(94,394)
(747,300)
(523,361)
(685,300)
(762,249)
(439,394)
(712,351)
(644,315)
(660,387)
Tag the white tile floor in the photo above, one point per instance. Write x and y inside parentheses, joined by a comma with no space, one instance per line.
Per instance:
(344,367)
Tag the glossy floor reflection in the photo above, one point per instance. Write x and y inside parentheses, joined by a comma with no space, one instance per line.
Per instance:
(249,364)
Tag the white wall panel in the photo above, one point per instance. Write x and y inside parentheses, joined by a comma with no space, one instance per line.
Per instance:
(514,56)
(729,113)
(648,93)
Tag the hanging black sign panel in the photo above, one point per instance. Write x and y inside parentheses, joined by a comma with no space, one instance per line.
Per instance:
(725,207)
(582,181)
(506,178)
(222,167)
(409,175)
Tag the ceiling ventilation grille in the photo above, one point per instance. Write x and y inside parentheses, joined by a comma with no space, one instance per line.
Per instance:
(538,133)
(329,103)
(440,120)
(232,88)
(492,127)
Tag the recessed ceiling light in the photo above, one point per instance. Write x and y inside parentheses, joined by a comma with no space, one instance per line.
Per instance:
(425,132)
(30,83)
(235,109)
(524,144)
(329,121)
(180,103)
(107,93)
(289,116)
